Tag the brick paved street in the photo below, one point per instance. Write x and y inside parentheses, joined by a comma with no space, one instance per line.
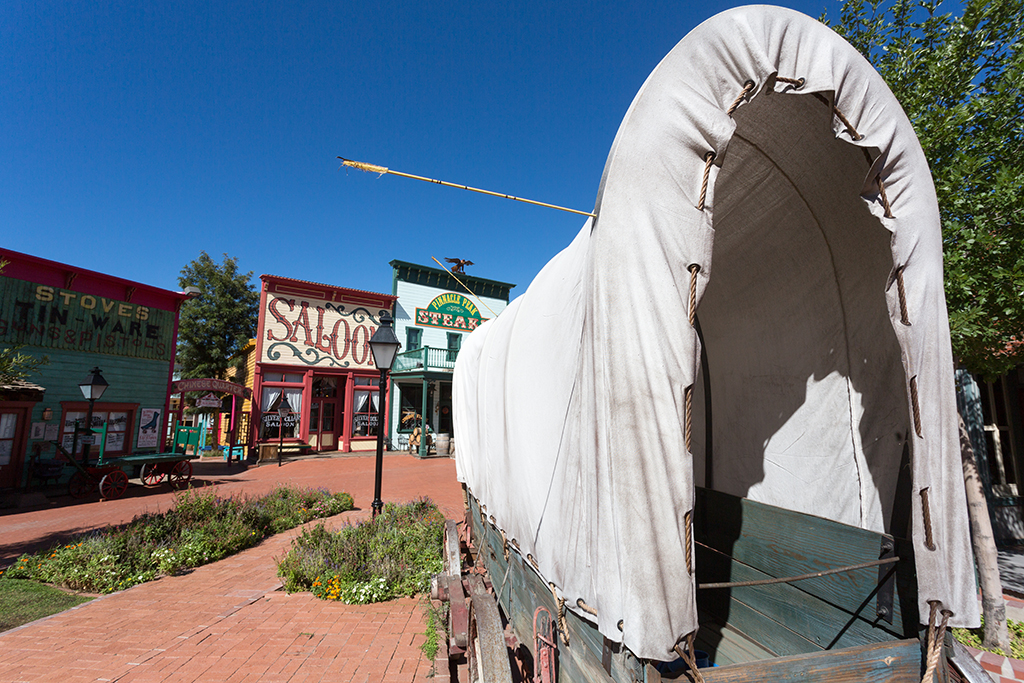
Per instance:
(228,621)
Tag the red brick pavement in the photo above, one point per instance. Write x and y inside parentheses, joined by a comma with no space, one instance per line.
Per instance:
(228,621)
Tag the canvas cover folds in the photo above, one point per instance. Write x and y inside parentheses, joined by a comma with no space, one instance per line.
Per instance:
(570,406)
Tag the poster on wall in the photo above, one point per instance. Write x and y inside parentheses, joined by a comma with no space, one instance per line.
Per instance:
(149,428)
(52,432)
(38,430)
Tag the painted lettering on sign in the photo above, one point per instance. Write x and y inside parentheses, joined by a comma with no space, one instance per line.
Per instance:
(450,311)
(54,318)
(316,332)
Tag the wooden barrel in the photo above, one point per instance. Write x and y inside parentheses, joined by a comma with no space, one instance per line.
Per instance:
(442,444)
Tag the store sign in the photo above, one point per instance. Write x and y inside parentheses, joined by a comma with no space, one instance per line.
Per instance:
(450,311)
(317,333)
(208,401)
(55,318)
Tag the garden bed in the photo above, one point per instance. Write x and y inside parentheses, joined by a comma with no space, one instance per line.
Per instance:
(201,528)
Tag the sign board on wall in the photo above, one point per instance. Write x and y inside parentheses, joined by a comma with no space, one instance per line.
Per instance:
(318,333)
(149,428)
(450,311)
(55,318)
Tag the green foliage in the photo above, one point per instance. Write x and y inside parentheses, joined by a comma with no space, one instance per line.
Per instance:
(201,528)
(960,80)
(219,322)
(17,365)
(437,619)
(975,636)
(395,554)
(25,601)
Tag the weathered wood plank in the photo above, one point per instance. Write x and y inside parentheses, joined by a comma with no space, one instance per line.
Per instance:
(896,661)
(782,543)
(824,625)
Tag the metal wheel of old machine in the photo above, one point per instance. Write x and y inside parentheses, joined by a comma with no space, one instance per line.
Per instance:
(151,475)
(180,475)
(81,485)
(113,485)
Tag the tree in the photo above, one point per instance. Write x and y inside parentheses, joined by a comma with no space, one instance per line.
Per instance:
(961,82)
(220,321)
(15,365)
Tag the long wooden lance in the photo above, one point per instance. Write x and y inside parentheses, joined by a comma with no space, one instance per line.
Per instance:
(373,168)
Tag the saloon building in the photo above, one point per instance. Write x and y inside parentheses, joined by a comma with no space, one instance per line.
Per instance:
(80,319)
(435,311)
(314,381)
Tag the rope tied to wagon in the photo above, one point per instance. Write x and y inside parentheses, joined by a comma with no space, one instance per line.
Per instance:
(689,657)
(563,626)
(936,638)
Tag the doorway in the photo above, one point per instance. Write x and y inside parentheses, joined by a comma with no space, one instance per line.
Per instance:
(323,409)
(12,445)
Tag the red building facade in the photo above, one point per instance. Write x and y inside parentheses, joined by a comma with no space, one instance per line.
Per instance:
(313,361)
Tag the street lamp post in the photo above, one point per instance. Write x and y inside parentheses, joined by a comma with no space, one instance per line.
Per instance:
(92,388)
(384,345)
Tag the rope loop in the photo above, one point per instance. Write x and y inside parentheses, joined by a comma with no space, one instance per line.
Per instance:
(797,83)
(747,87)
(936,638)
(585,607)
(563,627)
(709,159)
(690,658)
(926,513)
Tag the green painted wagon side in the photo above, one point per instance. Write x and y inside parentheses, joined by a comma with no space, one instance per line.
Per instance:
(826,628)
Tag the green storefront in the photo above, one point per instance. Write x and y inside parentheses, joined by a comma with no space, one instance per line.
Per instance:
(79,320)
(434,313)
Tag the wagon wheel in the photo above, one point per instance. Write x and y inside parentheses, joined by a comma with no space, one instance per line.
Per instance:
(81,485)
(113,485)
(151,475)
(180,474)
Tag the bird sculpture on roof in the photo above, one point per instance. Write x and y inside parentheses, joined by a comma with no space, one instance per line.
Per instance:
(458,264)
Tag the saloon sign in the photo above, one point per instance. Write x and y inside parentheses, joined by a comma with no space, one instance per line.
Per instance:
(316,332)
(450,311)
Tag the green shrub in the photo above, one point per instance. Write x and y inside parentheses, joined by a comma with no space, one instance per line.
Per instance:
(974,637)
(201,528)
(394,554)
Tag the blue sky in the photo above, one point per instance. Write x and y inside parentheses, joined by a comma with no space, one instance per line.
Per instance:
(133,135)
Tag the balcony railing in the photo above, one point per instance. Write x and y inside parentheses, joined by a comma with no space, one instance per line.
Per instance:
(426,358)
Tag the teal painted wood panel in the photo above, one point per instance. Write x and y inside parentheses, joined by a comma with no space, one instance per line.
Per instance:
(780,543)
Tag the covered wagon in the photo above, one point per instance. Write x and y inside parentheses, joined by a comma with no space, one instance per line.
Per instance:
(723,417)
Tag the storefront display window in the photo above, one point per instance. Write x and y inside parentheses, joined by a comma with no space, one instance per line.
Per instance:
(273,399)
(117,428)
(366,407)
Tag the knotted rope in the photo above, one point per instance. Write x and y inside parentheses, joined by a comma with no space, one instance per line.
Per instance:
(563,627)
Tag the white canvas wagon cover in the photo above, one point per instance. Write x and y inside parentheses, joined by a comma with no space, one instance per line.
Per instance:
(766,180)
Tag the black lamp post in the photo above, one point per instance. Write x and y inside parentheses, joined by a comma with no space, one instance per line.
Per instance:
(92,388)
(282,410)
(384,346)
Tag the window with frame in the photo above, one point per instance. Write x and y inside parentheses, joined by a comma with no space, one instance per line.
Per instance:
(272,400)
(454,344)
(413,338)
(365,407)
(118,419)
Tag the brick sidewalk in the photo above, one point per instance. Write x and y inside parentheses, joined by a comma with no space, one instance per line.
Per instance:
(228,621)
